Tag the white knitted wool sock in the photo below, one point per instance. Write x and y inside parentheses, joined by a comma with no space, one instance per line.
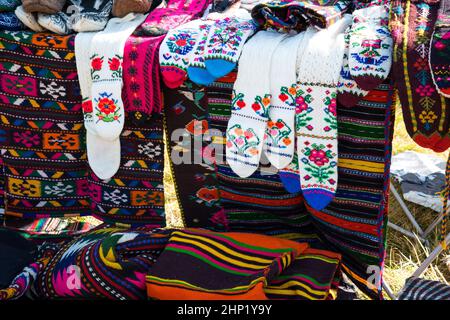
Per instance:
(176,51)
(349,93)
(280,132)
(97,148)
(250,105)
(106,56)
(370,58)
(29,19)
(318,75)
(106,72)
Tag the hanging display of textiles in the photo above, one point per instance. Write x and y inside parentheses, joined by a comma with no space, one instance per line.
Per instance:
(277,121)
(44,150)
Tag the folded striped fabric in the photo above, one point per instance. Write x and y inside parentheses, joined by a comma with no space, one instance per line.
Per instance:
(203,265)
(287,15)
(311,276)
(108,263)
(421,289)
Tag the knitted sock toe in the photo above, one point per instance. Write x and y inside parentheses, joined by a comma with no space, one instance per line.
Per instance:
(176,51)
(28,19)
(90,15)
(290,176)
(197,71)
(57,23)
(250,106)
(225,42)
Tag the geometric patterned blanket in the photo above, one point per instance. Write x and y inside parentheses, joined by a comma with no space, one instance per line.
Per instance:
(42,140)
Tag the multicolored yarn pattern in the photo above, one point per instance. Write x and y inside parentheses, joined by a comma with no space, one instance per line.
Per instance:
(24,281)
(190,153)
(287,15)
(219,265)
(353,223)
(258,204)
(142,90)
(108,263)
(311,276)
(43,149)
(425,111)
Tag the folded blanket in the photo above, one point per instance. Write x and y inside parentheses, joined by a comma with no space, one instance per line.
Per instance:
(109,263)
(23,282)
(311,276)
(421,289)
(284,16)
(10,22)
(203,265)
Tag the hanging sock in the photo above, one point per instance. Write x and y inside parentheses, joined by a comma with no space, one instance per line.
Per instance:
(28,19)
(424,110)
(445,205)
(349,93)
(225,42)
(176,52)
(197,68)
(440,50)
(280,131)
(250,104)
(290,176)
(106,63)
(317,147)
(370,57)
(90,15)
(142,89)
(100,149)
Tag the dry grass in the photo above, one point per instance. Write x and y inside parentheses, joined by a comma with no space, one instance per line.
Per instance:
(404,254)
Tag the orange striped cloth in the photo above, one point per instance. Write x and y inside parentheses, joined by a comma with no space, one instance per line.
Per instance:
(204,265)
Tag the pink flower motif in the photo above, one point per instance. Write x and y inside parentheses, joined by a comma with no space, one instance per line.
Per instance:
(425,91)
(327,128)
(309,127)
(240,141)
(301,107)
(319,157)
(332,107)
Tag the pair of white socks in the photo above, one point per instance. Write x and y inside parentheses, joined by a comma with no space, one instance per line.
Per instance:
(99,58)
(272,104)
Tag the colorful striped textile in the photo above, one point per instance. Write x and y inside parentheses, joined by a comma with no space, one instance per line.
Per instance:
(108,263)
(354,222)
(258,204)
(425,111)
(421,289)
(24,281)
(52,227)
(216,266)
(311,276)
(43,144)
